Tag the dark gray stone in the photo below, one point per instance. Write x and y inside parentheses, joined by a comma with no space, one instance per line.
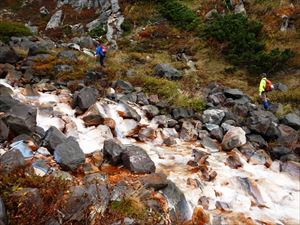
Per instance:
(129,112)
(151,111)
(217,134)
(131,97)
(167,71)
(4,131)
(181,113)
(76,204)
(156,181)
(209,144)
(142,99)
(257,140)
(137,160)
(8,55)
(122,86)
(53,138)
(11,161)
(37,49)
(164,121)
(260,121)
(281,87)
(67,55)
(180,210)
(233,93)
(6,103)
(69,155)
(217,98)
(85,98)
(292,120)
(278,151)
(112,151)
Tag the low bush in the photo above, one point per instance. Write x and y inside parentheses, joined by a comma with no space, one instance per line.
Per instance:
(9,29)
(242,45)
(97,32)
(180,15)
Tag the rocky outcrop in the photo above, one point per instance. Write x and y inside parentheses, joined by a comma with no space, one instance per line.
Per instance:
(167,71)
(55,20)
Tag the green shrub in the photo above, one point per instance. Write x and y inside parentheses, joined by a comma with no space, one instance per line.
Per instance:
(126,27)
(180,15)
(97,32)
(8,29)
(243,46)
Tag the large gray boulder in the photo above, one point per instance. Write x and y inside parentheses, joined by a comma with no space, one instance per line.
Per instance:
(85,98)
(235,137)
(21,119)
(180,210)
(11,161)
(8,55)
(213,116)
(53,138)
(137,160)
(292,120)
(112,151)
(55,20)
(167,71)
(260,121)
(150,110)
(69,155)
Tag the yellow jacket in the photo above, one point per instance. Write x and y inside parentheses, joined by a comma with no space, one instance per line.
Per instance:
(262,85)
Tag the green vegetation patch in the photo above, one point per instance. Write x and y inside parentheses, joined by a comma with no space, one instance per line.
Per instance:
(170,91)
(180,15)
(240,39)
(8,29)
(97,32)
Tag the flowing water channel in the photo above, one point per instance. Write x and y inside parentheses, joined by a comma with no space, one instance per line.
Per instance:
(266,195)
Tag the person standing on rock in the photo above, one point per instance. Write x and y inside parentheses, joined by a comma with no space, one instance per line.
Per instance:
(101,52)
(264,87)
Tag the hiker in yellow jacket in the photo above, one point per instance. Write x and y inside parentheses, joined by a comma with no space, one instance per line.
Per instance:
(265,86)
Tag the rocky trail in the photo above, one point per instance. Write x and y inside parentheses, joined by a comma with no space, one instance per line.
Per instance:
(234,163)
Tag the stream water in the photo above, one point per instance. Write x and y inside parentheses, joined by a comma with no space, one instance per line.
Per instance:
(266,195)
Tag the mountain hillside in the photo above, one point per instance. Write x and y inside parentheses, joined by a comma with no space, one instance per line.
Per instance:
(170,130)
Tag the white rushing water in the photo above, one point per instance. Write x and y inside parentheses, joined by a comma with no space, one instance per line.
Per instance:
(266,195)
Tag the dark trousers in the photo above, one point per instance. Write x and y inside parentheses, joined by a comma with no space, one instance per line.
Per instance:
(102,60)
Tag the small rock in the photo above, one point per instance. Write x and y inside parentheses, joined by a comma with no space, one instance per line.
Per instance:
(155,180)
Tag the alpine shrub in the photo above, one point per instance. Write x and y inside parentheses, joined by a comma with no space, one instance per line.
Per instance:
(8,29)
(180,15)
(243,46)
(97,32)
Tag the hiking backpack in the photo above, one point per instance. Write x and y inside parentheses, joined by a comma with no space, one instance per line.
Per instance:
(103,49)
(269,85)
